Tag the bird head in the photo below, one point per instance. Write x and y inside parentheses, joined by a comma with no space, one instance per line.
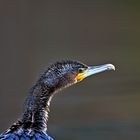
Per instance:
(65,73)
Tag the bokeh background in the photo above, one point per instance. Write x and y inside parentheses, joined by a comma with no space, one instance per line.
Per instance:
(37,32)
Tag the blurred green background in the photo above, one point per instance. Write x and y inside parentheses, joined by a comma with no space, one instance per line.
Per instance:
(34,33)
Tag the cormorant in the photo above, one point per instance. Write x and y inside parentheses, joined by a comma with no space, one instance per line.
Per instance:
(33,123)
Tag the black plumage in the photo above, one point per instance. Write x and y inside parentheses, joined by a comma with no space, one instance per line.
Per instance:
(33,122)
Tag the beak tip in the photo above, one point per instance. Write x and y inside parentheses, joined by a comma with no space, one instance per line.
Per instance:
(110,67)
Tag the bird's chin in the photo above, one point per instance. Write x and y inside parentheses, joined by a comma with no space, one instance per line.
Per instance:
(77,81)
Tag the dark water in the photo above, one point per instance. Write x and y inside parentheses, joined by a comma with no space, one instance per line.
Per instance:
(35,33)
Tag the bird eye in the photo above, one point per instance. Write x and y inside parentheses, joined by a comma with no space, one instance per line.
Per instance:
(80,70)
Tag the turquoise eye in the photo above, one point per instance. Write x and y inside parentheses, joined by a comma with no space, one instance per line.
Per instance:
(80,70)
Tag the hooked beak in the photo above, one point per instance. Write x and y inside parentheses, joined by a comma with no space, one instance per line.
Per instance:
(93,70)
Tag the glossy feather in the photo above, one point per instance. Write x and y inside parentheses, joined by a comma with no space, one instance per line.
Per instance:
(21,134)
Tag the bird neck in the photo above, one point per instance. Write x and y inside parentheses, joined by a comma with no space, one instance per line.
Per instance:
(37,106)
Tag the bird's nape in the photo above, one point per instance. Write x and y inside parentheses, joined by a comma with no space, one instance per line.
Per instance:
(33,123)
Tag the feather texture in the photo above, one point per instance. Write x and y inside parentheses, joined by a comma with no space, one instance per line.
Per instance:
(23,134)
(33,123)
